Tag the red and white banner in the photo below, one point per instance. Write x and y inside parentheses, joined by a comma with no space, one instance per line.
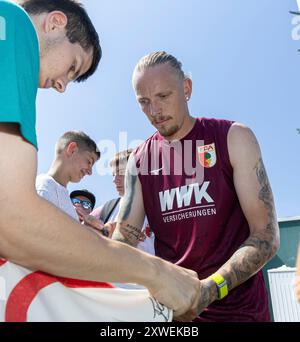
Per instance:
(27,296)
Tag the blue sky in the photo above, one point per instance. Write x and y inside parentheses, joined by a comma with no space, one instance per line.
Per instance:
(243,61)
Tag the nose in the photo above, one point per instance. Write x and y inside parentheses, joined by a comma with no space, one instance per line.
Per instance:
(155,109)
(117,180)
(88,171)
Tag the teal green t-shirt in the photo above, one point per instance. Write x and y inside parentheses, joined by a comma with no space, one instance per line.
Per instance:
(19,69)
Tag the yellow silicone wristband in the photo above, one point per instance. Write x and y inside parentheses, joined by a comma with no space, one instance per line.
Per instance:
(221,285)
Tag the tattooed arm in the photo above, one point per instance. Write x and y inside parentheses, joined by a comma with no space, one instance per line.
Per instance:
(256,199)
(132,214)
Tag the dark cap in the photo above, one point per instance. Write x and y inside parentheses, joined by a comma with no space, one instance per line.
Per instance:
(84,193)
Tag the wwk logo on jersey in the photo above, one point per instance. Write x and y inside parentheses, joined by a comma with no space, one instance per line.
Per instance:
(207,155)
(181,197)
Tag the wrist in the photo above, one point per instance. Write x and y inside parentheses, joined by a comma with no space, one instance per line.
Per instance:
(212,289)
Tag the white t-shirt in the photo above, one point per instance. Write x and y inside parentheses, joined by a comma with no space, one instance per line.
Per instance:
(49,189)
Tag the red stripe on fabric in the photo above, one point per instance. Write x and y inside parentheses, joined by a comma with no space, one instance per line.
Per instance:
(23,294)
(75,283)
(2,262)
(27,289)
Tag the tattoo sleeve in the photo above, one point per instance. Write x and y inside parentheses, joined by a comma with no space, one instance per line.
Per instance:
(128,234)
(126,204)
(259,248)
(125,232)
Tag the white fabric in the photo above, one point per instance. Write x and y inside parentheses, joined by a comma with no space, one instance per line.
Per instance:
(59,303)
(298,3)
(49,189)
(148,244)
(30,301)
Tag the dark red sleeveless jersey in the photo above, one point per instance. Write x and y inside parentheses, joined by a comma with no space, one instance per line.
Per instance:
(193,209)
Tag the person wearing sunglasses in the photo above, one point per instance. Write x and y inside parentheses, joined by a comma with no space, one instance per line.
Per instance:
(85,204)
(83,201)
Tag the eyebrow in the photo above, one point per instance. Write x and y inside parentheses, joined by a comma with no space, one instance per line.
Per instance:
(141,98)
(167,92)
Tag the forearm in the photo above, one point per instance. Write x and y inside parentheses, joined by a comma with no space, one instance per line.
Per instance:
(42,237)
(127,233)
(132,214)
(249,259)
(257,202)
(244,263)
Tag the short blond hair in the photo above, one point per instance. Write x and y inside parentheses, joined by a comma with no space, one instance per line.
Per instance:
(158,58)
(120,158)
(83,141)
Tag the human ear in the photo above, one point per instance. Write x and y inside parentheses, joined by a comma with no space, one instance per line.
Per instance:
(55,20)
(71,148)
(188,88)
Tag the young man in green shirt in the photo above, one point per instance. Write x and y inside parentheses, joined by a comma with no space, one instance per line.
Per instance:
(50,44)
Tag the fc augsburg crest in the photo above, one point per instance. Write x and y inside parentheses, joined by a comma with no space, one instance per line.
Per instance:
(207,155)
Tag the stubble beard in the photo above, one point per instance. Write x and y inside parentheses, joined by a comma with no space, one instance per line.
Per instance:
(168,132)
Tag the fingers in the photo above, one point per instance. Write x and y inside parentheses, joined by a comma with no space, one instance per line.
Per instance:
(142,237)
(79,211)
(110,226)
(183,318)
(92,222)
(188,316)
(80,214)
(196,307)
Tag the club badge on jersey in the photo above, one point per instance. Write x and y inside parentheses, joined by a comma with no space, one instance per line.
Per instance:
(207,155)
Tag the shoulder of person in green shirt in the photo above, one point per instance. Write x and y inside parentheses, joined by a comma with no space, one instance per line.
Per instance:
(19,69)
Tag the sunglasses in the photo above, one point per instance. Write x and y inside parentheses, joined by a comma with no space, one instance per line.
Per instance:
(84,203)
